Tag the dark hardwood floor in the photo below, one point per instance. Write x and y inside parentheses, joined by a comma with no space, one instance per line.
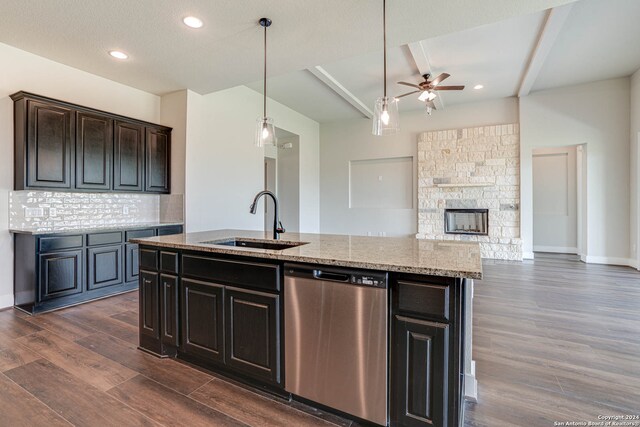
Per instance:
(554,340)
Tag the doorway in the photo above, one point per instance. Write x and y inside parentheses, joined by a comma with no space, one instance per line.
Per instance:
(557,219)
(282,177)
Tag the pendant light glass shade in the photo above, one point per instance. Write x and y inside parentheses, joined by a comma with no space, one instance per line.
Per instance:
(385,113)
(385,116)
(265,132)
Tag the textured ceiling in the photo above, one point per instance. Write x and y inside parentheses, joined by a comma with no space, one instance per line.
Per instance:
(165,55)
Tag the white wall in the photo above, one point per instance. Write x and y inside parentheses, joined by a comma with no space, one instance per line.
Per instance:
(173,113)
(595,114)
(635,168)
(224,170)
(343,141)
(288,171)
(24,71)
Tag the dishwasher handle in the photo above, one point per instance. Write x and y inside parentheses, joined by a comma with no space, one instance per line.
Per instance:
(333,277)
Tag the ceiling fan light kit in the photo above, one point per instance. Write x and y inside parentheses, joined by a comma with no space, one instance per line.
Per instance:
(385,112)
(428,88)
(265,130)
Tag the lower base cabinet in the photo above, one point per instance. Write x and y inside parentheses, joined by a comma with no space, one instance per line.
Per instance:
(202,319)
(236,329)
(61,274)
(252,333)
(58,270)
(420,379)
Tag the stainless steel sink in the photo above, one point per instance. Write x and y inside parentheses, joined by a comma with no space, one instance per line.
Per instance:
(258,244)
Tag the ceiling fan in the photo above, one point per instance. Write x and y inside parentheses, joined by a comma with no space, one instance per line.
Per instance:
(428,88)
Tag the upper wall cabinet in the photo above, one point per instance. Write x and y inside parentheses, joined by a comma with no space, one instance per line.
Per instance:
(129,157)
(158,160)
(63,146)
(94,151)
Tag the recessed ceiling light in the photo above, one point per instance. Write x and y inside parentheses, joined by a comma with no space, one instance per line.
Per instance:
(118,54)
(478,87)
(193,22)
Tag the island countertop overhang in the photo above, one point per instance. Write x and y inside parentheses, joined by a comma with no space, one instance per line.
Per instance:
(396,254)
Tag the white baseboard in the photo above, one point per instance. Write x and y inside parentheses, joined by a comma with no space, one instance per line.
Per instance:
(527,255)
(627,262)
(6,300)
(556,249)
(471,384)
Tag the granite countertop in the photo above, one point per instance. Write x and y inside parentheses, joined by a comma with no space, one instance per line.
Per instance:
(400,254)
(105,228)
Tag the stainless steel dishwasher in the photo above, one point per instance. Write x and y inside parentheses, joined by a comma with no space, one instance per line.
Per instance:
(336,331)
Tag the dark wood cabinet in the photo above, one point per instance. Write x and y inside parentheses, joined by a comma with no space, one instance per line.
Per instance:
(420,373)
(104,266)
(128,157)
(57,270)
(149,304)
(253,333)
(202,319)
(131,262)
(169,309)
(94,151)
(59,145)
(61,274)
(158,162)
(46,158)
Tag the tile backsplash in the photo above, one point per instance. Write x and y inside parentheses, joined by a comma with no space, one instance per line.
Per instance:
(57,211)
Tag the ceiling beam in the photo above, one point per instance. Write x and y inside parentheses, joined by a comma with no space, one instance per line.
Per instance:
(553,23)
(342,91)
(423,65)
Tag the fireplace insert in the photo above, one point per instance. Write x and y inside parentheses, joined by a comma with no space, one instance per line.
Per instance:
(466,221)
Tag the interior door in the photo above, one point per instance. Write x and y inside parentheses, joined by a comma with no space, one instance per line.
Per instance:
(555,220)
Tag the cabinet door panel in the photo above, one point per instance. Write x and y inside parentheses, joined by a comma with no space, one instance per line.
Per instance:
(202,319)
(49,142)
(131,263)
(94,151)
(61,274)
(128,157)
(104,266)
(157,164)
(169,312)
(253,333)
(149,304)
(419,373)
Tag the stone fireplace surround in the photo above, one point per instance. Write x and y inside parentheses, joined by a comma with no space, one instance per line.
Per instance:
(472,168)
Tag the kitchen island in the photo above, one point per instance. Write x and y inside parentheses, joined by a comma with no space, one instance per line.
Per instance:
(370,327)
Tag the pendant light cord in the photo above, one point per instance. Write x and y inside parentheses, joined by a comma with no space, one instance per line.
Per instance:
(384,32)
(264,81)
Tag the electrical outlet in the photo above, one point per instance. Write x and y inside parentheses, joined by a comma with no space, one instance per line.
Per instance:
(125,210)
(53,211)
(33,212)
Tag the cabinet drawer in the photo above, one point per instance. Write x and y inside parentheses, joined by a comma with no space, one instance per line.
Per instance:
(242,273)
(109,238)
(169,262)
(165,231)
(139,234)
(48,244)
(148,259)
(423,300)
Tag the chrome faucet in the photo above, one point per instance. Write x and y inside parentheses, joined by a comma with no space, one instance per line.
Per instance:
(277,225)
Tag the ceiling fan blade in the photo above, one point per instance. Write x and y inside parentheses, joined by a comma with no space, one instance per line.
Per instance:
(410,84)
(439,79)
(448,88)
(409,93)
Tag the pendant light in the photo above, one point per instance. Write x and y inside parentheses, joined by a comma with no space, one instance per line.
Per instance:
(385,112)
(265,131)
